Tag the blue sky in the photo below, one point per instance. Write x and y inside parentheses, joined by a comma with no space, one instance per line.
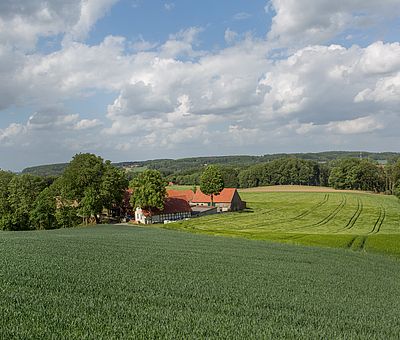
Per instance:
(135,79)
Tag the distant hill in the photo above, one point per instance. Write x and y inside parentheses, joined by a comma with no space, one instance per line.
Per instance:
(46,170)
(169,166)
(58,169)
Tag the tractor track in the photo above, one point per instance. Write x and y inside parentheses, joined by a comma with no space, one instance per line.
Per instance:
(350,244)
(328,218)
(357,243)
(350,224)
(362,244)
(290,219)
(378,224)
(355,216)
(309,211)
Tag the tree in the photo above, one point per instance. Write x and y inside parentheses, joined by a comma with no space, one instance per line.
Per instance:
(230,176)
(113,186)
(91,205)
(44,210)
(359,174)
(23,191)
(149,190)
(5,209)
(211,182)
(397,190)
(340,176)
(85,170)
(91,184)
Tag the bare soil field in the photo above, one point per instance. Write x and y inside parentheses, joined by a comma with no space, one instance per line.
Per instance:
(299,188)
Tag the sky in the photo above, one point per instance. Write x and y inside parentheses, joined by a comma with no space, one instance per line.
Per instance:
(142,79)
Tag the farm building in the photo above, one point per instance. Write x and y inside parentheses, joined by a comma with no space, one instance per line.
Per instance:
(175,208)
(227,200)
(185,194)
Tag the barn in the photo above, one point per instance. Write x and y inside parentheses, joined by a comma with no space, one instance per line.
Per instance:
(227,200)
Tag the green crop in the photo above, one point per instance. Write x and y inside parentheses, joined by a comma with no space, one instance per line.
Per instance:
(127,282)
(356,221)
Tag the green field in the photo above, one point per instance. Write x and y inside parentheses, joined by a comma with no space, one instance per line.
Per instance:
(359,221)
(128,282)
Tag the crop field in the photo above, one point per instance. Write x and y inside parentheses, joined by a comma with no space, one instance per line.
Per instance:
(357,221)
(145,282)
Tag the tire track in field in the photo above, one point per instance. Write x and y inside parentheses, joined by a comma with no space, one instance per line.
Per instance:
(329,217)
(350,244)
(302,214)
(362,244)
(308,211)
(350,224)
(381,218)
(357,243)
(280,220)
(333,213)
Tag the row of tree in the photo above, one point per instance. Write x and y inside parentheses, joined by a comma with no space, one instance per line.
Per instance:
(348,173)
(87,187)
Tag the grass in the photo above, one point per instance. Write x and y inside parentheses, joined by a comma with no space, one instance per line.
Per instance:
(129,282)
(362,222)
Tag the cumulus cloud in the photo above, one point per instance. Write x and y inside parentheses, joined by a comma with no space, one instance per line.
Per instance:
(355,126)
(22,22)
(90,12)
(386,90)
(9,135)
(181,44)
(87,124)
(318,21)
(189,101)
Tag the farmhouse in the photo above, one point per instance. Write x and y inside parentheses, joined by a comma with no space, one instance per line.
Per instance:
(180,204)
(175,208)
(227,200)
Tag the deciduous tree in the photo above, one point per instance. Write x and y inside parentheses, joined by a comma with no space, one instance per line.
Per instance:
(211,182)
(149,190)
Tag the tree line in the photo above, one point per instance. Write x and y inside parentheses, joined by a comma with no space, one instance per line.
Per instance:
(177,166)
(347,173)
(89,186)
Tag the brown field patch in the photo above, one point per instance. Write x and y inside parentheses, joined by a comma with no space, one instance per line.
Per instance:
(299,188)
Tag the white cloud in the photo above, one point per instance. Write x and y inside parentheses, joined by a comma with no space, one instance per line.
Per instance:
(87,124)
(173,97)
(141,45)
(386,90)
(299,23)
(181,44)
(90,12)
(9,134)
(380,58)
(230,36)
(74,71)
(355,126)
(22,22)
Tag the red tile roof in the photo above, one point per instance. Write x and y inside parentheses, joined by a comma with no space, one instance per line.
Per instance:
(186,194)
(225,196)
(172,205)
